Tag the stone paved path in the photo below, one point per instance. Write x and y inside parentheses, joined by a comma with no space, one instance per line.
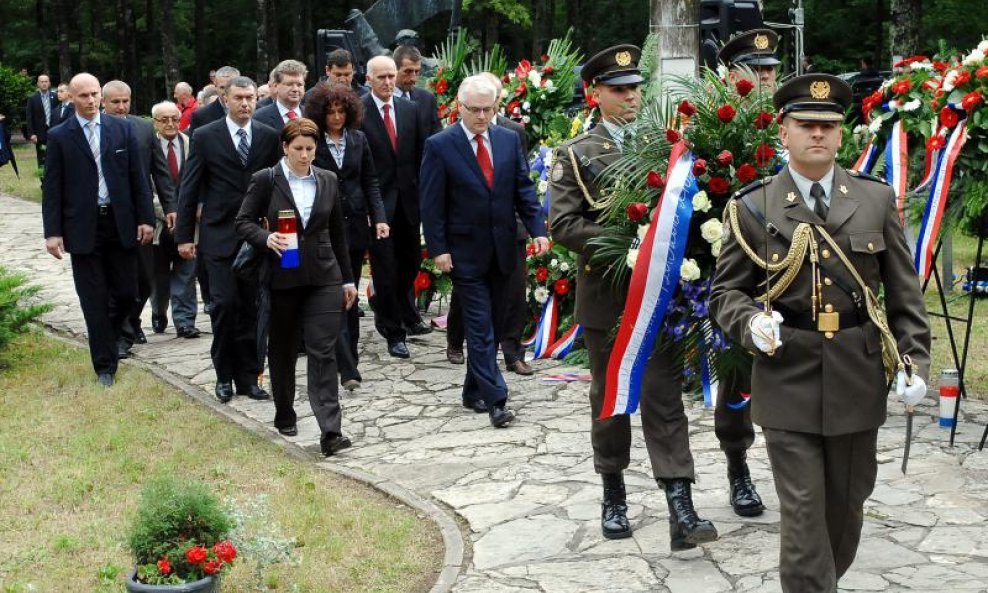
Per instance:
(528,494)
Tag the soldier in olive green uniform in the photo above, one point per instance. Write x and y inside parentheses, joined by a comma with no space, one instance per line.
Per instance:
(819,385)
(574,190)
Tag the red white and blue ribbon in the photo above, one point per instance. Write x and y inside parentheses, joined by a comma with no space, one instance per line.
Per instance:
(929,230)
(867,159)
(654,281)
(897,165)
(745,400)
(708,379)
(545,334)
(931,157)
(564,345)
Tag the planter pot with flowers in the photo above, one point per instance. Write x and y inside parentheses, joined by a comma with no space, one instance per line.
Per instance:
(178,539)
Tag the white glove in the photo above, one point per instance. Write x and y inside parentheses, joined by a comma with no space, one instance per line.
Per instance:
(910,394)
(765,331)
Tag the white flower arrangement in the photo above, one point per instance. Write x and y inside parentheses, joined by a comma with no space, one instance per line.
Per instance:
(534,78)
(564,267)
(541,294)
(701,202)
(911,105)
(712,230)
(554,263)
(975,57)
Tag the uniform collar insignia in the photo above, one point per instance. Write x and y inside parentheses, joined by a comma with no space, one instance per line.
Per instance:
(843,189)
(791,197)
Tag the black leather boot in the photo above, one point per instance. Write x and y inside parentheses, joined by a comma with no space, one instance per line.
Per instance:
(744,498)
(614,510)
(686,529)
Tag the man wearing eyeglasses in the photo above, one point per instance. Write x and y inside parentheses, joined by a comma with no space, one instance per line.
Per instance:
(475,179)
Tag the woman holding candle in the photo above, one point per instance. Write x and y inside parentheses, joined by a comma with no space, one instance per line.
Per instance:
(311,281)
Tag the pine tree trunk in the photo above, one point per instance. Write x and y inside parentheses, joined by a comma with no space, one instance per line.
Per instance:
(906,16)
(262,39)
(169,59)
(679,32)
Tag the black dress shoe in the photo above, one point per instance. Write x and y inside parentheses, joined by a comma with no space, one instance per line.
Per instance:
(123,350)
(501,416)
(105,379)
(520,367)
(289,431)
(331,444)
(419,329)
(256,392)
(188,332)
(139,337)
(478,405)
(686,528)
(614,509)
(398,350)
(454,355)
(744,498)
(224,391)
(159,323)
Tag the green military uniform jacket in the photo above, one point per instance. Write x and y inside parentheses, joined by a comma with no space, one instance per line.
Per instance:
(573,222)
(828,384)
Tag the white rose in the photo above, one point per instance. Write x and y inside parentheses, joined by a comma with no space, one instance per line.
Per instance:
(975,57)
(642,231)
(526,105)
(632,258)
(689,271)
(712,230)
(701,203)
(911,105)
(534,78)
(543,185)
(715,248)
(564,267)
(875,125)
(554,264)
(541,294)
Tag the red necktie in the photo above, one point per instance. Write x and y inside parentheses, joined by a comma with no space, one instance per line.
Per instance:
(390,126)
(484,160)
(172,161)
(291,115)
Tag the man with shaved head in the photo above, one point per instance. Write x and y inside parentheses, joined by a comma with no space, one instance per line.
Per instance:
(97,206)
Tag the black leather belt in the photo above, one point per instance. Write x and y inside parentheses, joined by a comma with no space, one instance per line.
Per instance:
(804,320)
(105,209)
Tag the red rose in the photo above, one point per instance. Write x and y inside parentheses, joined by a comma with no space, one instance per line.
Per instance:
(746,173)
(744,87)
(673,136)
(521,90)
(699,167)
(196,555)
(442,86)
(637,211)
(225,551)
(548,70)
(726,113)
(902,87)
(718,185)
(422,281)
(935,142)
(764,120)
(655,180)
(970,100)
(542,274)
(981,72)
(764,154)
(561,287)
(948,117)
(212,567)
(686,108)
(164,566)
(725,158)
(963,78)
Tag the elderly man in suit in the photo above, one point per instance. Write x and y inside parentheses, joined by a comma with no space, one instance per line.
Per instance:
(222,157)
(289,85)
(97,206)
(174,277)
(475,180)
(218,109)
(395,135)
(41,107)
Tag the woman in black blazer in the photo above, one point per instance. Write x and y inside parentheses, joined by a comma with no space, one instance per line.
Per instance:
(344,150)
(311,280)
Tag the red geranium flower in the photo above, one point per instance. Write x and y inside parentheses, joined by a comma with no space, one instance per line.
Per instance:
(561,287)
(931,85)
(902,87)
(970,100)
(718,185)
(948,117)
(673,136)
(744,86)
(940,66)
(725,158)
(212,567)
(422,281)
(726,113)
(164,566)
(442,86)
(637,211)
(542,274)
(655,180)
(963,78)
(513,107)
(764,155)
(746,173)
(981,72)
(225,551)
(686,108)
(763,120)
(935,142)
(548,70)
(699,167)
(196,555)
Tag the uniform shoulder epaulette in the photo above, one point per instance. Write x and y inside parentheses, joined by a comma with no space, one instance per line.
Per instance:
(753,186)
(860,175)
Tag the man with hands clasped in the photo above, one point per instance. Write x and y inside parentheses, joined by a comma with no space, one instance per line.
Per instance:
(832,239)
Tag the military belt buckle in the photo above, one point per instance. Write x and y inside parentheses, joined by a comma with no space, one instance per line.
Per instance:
(827,322)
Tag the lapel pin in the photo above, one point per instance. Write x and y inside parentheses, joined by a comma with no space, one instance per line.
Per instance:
(791,197)
(843,189)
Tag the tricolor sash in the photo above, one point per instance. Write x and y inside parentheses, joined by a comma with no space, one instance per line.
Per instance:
(867,159)
(897,165)
(545,334)
(564,345)
(943,172)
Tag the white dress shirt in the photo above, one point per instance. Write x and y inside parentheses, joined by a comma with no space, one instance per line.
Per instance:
(303,190)
(380,109)
(284,112)
(472,139)
(233,127)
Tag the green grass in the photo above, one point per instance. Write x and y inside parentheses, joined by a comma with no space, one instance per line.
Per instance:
(28,185)
(73,457)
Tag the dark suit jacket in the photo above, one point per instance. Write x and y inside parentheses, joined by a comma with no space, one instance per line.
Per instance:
(271,117)
(397,174)
(70,188)
(214,176)
(324,256)
(206,115)
(35,121)
(517,128)
(462,216)
(264,103)
(359,192)
(57,117)
(152,159)
(428,110)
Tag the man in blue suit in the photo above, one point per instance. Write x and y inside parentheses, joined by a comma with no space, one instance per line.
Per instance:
(475,178)
(97,206)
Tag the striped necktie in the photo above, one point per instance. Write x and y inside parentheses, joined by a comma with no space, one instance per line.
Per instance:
(243,149)
(103,197)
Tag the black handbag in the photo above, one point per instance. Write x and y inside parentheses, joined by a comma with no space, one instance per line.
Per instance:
(249,262)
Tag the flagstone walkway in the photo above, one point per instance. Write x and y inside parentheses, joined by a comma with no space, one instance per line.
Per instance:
(528,496)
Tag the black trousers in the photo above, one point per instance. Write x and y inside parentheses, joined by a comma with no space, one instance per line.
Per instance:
(318,309)
(145,289)
(233,317)
(511,323)
(408,261)
(106,282)
(346,346)
(732,414)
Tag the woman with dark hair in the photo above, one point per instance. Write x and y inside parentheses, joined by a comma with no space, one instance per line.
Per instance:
(311,280)
(343,149)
